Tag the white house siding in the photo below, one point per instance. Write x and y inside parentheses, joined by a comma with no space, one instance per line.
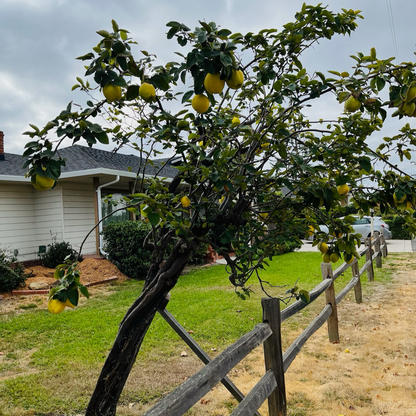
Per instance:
(48,216)
(17,224)
(78,214)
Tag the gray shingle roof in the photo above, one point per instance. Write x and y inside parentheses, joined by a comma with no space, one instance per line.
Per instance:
(79,158)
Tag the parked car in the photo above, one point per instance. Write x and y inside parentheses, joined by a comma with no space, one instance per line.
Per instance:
(363,226)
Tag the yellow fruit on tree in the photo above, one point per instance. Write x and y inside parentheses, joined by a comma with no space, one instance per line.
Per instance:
(337,234)
(182,124)
(112,92)
(343,189)
(398,201)
(55,306)
(334,257)
(352,104)
(323,247)
(407,108)
(200,103)
(311,230)
(42,183)
(411,93)
(147,92)
(263,216)
(68,303)
(236,80)
(326,258)
(185,201)
(213,83)
(235,122)
(348,258)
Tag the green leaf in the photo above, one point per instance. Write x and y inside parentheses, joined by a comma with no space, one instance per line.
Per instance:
(206,26)
(304,296)
(102,137)
(172,32)
(86,57)
(114,25)
(73,296)
(191,60)
(84,291)
(380,82)
(118,47)
(187,96)
(103,33)
(119,81)
(159,82)
(365,164)
(224,33)
(174,24)
(132,92)
(154,218)
(225,59)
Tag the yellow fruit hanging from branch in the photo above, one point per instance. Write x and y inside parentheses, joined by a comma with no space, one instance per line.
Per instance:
(213,83)
(147,92)
(112,92)
(236,80)
(200,103)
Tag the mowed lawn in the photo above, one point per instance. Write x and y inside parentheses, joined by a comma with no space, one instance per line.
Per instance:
(49,363)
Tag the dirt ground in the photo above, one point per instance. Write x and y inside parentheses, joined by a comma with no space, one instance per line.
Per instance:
(372,371)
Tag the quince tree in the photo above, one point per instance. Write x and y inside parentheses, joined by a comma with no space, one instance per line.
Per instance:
(267,179)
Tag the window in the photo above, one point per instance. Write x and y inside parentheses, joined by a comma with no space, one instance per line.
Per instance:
(360,221)
(108,206)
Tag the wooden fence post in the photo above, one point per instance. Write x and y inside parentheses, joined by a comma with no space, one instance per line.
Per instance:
(273,356)
(332,322)
(383,243)
(368,257)
(357,288)
(379,262)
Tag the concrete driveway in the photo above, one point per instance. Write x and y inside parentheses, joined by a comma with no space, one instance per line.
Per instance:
(393,246)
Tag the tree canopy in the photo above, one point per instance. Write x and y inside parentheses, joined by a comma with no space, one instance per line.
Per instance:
(231,113)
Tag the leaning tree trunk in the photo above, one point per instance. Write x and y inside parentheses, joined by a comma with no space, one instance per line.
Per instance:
(131,333)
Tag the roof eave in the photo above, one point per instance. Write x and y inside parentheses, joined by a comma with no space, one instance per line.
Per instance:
(82,173)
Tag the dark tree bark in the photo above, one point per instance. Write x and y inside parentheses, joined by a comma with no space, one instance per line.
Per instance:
(160,280)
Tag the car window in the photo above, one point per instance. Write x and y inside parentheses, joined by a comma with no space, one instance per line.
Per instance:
(360,221)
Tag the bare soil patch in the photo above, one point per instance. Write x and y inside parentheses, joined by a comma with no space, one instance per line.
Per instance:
(92,270)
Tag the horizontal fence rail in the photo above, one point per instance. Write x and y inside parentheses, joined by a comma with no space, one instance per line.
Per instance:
(272,385)
(300,341)
(198,385)
(200,353)
(260,392)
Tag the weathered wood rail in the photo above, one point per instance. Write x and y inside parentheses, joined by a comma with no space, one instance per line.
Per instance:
(271,386)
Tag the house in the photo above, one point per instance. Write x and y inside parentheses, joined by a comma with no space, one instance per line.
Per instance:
(30,219)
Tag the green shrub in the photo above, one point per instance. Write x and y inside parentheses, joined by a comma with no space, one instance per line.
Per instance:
(398,229)
(123,242)
(56,253)
(198,257)
(11,272)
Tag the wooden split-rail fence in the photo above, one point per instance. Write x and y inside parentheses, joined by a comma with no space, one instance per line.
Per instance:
(272,385)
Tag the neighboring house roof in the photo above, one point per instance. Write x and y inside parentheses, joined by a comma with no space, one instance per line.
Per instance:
(81,158)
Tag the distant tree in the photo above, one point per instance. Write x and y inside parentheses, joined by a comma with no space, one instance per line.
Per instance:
(231,111)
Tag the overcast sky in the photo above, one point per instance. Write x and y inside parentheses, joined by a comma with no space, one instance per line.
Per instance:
(40,40)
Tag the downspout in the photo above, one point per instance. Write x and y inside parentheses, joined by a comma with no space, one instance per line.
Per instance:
(100,213)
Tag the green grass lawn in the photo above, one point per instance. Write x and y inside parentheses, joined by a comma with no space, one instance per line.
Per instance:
(43,354)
